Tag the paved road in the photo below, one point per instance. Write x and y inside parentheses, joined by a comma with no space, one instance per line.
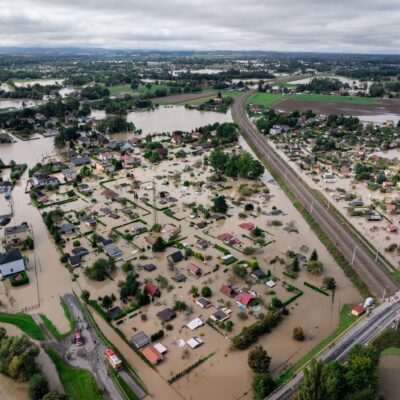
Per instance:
(90,356)
(362,333)
(376,277)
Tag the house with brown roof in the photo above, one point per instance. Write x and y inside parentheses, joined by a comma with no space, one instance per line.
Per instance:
(194,269)
(152,290)
(227,290)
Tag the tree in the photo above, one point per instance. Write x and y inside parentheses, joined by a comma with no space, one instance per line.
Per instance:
(295,265)
(206,291)
(314,256)
(329,282)
(276,303)
(159,245)
(248,250)
(314,382)
(85,295)
(54,395)
(262,386)
(298,333)
(129,287)
(315,267)
(17,357)
(259,360)
(180,305)
(99,270)
(335,380)
(220,205)
(38,386)
(106,302)
(218,160)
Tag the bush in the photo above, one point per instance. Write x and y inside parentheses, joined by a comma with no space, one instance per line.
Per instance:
(169,327)
(76,243)
(158,335)
(206,291)
(38,386)
(298,333)
(248,251)
(19,279)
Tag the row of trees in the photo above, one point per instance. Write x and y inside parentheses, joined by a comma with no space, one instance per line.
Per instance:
(236,165)
(18,361)
(355,380)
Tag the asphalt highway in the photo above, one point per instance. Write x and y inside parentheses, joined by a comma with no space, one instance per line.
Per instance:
(362,333)
(375,276)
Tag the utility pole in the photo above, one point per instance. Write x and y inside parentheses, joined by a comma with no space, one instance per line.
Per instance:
(354,256)
(384,293)
(154,204)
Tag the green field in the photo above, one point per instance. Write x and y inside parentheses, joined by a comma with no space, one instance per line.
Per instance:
(332,99)
(78,383)
(24,322)
(391,351)
(196,102)
(120,89)
(266,99)
(345,321)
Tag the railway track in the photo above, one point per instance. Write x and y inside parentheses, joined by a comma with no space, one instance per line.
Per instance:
(375,276)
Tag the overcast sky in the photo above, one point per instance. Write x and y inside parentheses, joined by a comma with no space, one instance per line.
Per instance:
(283,25)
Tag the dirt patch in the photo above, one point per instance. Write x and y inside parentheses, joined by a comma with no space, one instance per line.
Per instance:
(385,106)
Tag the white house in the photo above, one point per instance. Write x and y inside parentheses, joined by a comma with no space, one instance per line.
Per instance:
(11,263)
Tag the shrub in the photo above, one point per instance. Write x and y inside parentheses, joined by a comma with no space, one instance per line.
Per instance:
(298,333)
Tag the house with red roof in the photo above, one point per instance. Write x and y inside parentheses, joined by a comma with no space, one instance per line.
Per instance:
(245,298)
(193,269)
(152,290)
(224,237)
(358,310)
(152,355)
(247,225)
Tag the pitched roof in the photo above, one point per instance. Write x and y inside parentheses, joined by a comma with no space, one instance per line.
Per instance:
(140,339)
(226,290)
(166,315)
(245,298)
(10,256)
(151,289)
(152,354)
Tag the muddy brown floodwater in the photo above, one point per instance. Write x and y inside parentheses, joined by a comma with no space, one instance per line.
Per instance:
(389,372)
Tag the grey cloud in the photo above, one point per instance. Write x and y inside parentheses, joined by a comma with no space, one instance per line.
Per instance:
(286,25)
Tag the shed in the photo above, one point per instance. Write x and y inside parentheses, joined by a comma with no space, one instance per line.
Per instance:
(140,340)
(195,323)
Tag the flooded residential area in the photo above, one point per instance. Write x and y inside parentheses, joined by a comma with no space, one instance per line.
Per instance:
(197,226)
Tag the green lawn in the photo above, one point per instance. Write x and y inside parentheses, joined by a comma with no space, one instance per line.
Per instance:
(333,99)
(24,322)
(78,383)
(119,89)
(345,320)
(266,99)
(391,351)
(396,275)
